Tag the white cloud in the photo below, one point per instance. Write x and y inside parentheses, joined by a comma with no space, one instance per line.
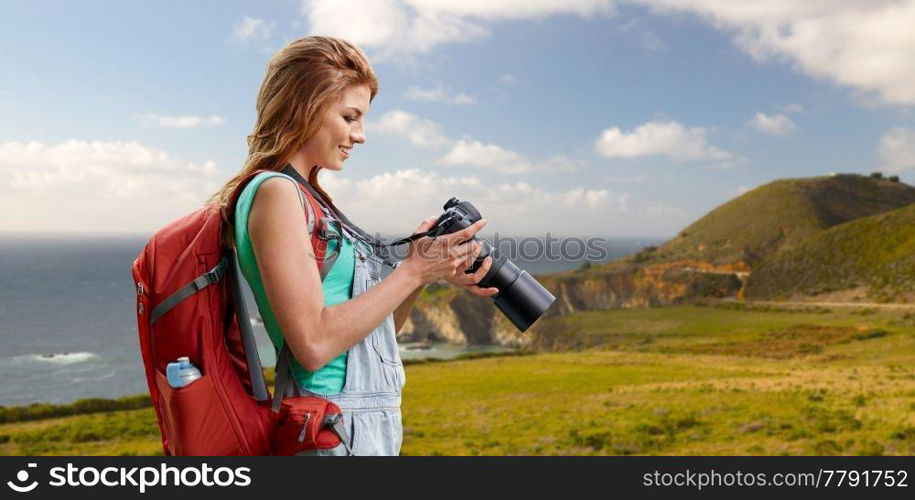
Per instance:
(403,27)
(250,28)
(396,202)
(489,156)
(418,131)
(472,153)
(182,121)
(793,108)
(427,134)
(98,186)
(514,9)
(867,46)
(779,124)
(897,150)
(742,189)
(593,198)
(438,94)
(387,26)
(659,138)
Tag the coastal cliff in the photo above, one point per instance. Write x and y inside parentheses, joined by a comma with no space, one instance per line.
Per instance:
(455,316)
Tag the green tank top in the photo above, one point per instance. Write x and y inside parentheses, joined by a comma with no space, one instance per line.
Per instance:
(337,286)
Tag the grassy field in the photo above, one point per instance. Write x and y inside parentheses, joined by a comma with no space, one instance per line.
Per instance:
(716,380)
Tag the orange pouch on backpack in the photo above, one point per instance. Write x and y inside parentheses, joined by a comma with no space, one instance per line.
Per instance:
(308,423)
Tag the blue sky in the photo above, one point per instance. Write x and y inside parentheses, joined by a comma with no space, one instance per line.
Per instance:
(583,117)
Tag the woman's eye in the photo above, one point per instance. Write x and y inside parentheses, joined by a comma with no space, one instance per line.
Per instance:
(349,119)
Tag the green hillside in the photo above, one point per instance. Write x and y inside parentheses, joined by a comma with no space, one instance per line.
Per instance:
(876,252)
(779,215)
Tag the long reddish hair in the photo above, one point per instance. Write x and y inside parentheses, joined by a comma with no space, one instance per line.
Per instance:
(302,80)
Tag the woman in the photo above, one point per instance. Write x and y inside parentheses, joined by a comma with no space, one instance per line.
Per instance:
(341,332)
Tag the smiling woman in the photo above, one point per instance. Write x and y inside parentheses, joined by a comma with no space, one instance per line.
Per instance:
(333,323)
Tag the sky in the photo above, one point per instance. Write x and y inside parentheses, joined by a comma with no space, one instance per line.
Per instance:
(628,118)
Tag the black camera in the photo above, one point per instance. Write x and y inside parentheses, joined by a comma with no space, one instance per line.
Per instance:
(521,298)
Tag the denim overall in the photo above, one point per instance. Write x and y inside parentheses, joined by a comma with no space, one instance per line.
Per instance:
(370,398)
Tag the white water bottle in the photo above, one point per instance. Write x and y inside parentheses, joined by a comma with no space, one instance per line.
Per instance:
(181,373)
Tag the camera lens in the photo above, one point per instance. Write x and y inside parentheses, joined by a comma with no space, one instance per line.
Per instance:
(524,301)
(521,298)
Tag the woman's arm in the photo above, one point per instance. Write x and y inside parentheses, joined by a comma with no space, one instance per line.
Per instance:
(285,258)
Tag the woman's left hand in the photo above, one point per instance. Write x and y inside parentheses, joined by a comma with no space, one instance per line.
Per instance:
(469,281)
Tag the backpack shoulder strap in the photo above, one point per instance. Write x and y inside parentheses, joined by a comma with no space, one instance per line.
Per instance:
(319,225)
(320,222)
(310,210)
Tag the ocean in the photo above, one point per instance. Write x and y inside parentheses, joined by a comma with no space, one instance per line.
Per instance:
(67,323)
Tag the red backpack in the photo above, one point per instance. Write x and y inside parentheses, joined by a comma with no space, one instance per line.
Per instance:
(189,303)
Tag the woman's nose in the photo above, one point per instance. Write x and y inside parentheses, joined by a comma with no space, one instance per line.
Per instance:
(357,134)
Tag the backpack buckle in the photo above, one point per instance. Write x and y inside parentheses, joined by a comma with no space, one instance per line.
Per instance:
(215,276)
(211,277)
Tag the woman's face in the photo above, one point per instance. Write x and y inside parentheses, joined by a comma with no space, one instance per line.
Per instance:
(342,128)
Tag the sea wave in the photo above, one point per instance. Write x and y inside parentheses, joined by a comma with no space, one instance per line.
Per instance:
(109,374)
(60,358)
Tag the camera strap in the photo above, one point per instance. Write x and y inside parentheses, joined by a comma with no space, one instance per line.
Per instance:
(433,233)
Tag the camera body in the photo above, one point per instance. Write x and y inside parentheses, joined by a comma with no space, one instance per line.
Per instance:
(460,215)
(521,298)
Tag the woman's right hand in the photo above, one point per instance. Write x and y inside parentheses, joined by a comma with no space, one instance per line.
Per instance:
(445,256)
